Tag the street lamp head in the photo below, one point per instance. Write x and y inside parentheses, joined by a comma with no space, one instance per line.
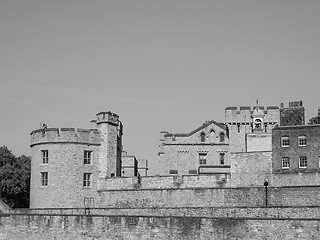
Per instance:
(265,183)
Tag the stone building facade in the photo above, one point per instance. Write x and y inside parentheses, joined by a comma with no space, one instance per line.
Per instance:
(129,165)
(250,129)
(205,149)
(67,163)
(143,167)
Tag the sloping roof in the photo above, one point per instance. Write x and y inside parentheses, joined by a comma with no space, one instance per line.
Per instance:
(221,125)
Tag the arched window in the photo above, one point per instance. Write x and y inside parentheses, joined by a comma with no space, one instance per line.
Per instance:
(202,137)
(212,135)
(222,137)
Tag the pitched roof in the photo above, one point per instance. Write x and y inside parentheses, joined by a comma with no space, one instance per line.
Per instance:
(206,124)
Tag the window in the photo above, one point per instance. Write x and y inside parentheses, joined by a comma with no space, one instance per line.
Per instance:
(285,141)
(222,137)
(87,179)
(212,136)
(45,156)
(303,162)
(44,178)
(202,137)
(193,172)
(222,158)
(302,140)
(202,158)
(285,163)
(258,124)
(173,171)
(87,157)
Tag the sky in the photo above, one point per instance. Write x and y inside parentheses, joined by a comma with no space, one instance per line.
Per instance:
(160,65)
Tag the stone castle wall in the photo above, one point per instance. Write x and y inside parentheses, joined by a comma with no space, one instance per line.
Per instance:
(209,197)
(239,122)
(66,227)
(250,169)
(66,168)
(65,135)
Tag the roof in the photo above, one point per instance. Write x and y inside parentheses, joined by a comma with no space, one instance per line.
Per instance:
(277,127)
(221,125)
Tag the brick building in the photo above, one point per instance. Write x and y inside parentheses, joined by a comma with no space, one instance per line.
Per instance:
(292,115)
(67,163)
(296,149)
(203,150)
(316,119)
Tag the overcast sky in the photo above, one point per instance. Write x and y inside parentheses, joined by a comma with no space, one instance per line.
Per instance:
(160,65)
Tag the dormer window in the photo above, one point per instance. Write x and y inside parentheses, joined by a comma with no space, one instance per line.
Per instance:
(202,137)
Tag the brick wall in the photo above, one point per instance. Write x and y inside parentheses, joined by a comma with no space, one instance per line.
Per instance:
(311,150)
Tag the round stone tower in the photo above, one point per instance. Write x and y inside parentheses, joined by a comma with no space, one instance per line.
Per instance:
(67,162)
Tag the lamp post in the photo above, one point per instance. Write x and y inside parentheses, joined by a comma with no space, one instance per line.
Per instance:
(266,187)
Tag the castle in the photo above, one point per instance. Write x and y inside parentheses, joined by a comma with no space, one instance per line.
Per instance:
(253,177)
(76,168)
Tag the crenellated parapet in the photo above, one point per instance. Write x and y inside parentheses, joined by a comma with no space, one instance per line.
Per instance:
(65,135)
(243,114)
(108,117)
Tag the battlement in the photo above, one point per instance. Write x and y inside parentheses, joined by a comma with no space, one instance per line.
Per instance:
(65,135)
(243,113)
(108,117)
(295,104)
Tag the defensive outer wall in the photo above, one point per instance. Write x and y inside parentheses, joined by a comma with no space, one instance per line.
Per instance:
(60,226)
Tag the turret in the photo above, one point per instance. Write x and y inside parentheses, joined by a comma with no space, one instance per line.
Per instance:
(110,149)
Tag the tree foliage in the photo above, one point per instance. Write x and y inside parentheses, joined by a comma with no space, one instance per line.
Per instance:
(14,178)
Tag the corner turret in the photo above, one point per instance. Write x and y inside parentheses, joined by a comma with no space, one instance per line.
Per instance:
(110,129)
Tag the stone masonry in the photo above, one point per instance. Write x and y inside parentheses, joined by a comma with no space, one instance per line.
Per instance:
(67,163)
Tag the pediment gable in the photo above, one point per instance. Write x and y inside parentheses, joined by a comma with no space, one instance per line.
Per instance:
(207,125)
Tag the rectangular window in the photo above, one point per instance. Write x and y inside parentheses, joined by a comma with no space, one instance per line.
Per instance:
(303,162)
(45,156)
(87,179)
(202,158)
(302,140)
(44,178)
(222,158)
(285,141)
(87,157)
(285,163)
